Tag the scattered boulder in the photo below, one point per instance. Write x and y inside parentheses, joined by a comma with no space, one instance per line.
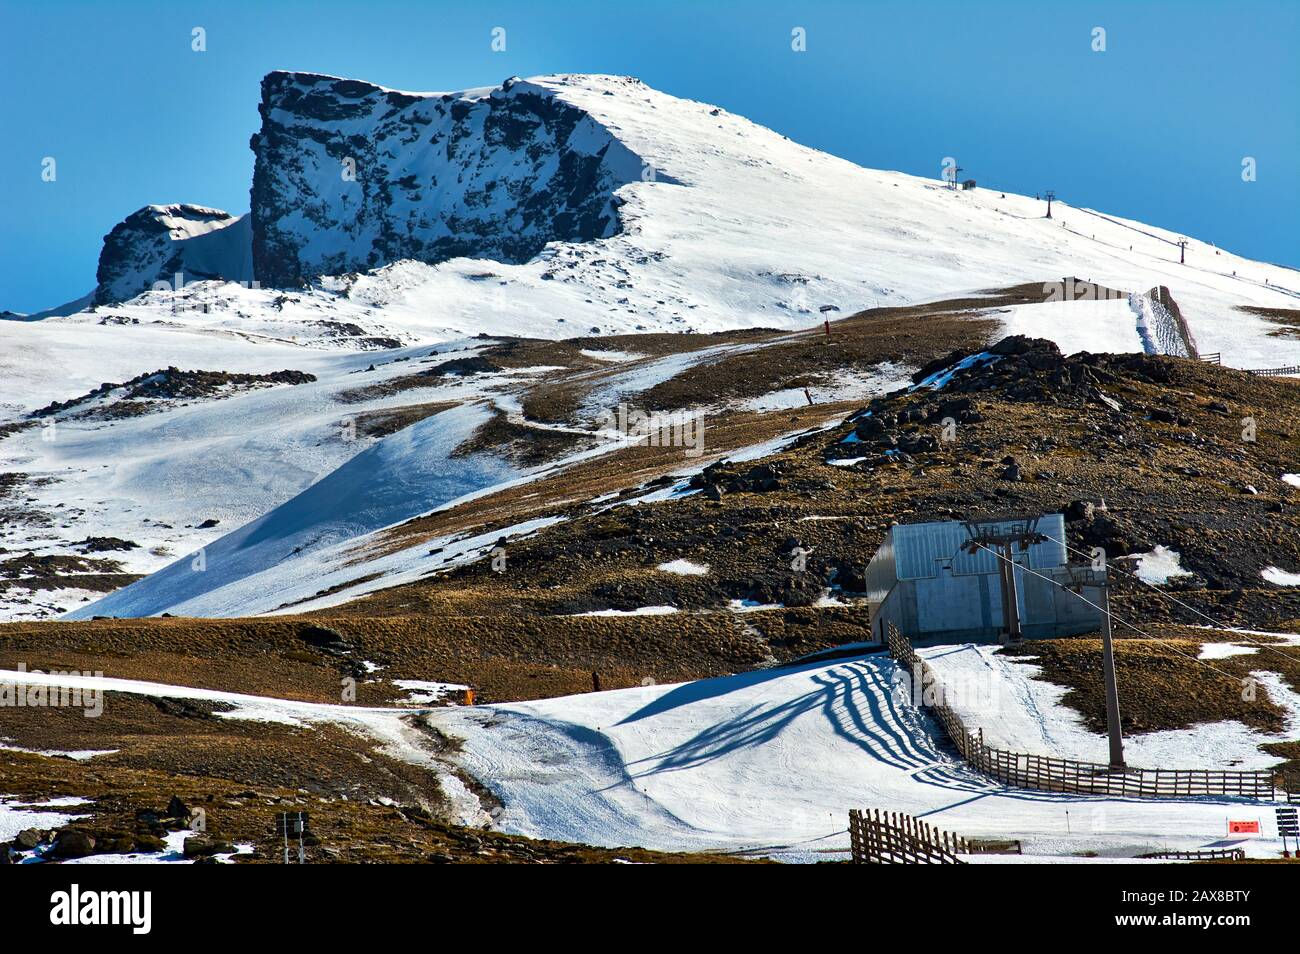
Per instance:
(202,846)
(1079,510)
(72,843)
(460,367)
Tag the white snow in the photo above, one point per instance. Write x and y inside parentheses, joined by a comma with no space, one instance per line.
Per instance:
(1021,713)
(610,355)
(1159,566)
(1280,577)
(17,815)
(422,692)
(1106,325)
(683,568)
(1292,479)
(844,386)
(639,611)
(1225,650)
(769,762)
(76,755)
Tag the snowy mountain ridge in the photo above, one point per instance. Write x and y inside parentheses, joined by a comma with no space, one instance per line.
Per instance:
(560,204)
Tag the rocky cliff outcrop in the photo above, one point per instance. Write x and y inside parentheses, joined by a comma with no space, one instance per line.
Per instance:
(159,242)
(351,176)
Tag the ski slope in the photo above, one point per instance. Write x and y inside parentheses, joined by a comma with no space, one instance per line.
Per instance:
(770,762)
(765,763)
(1022,713)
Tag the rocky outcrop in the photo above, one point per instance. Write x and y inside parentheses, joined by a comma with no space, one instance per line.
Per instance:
(350,176)
(160,242)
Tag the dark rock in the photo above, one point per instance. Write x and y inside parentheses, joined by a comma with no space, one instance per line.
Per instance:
(72,843)
(463,366)
(1077,510)
(105,544)
(202,846)
(149,843)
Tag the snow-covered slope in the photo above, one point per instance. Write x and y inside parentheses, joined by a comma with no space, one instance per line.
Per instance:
(766,763)
(770,762)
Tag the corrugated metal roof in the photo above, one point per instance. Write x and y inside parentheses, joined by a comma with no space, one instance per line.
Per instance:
(919,548)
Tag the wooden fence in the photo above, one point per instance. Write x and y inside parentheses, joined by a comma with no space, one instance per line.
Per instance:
(1274,372)
(892,838)
(1213,357)
(1203,854)
(1048,774)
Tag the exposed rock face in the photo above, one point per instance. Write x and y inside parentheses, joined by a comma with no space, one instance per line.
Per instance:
(156,243)
(351,176)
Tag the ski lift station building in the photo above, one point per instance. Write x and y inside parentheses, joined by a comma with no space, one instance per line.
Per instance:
(924,582)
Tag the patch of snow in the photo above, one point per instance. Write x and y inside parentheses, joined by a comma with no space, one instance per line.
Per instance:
(639,611)
(1224,650)
(844,386)
(1104,326)
(683,568)
(17,815)
(1292,479)
(749,606)
(1159,566)
(261,713)
(939,379)
(1280,577)
(1022,713)
(616,356)
(76,755)
(423,693)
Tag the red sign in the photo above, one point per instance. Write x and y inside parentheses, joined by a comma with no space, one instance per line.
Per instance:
(1243,827)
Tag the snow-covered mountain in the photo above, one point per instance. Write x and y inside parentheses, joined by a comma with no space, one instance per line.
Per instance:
(551,207)
(563,203)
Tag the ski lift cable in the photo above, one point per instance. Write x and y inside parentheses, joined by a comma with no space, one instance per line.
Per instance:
(1169,596)
(1118,619)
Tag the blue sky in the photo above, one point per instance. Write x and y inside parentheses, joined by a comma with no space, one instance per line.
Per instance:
(1154,128)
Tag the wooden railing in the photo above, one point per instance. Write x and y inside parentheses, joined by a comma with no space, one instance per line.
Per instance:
(1049,774)
(1273,372)
(892,838)
(1203,854)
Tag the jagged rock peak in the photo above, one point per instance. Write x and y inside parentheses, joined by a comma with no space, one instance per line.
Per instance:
(157,242)
(350,175)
